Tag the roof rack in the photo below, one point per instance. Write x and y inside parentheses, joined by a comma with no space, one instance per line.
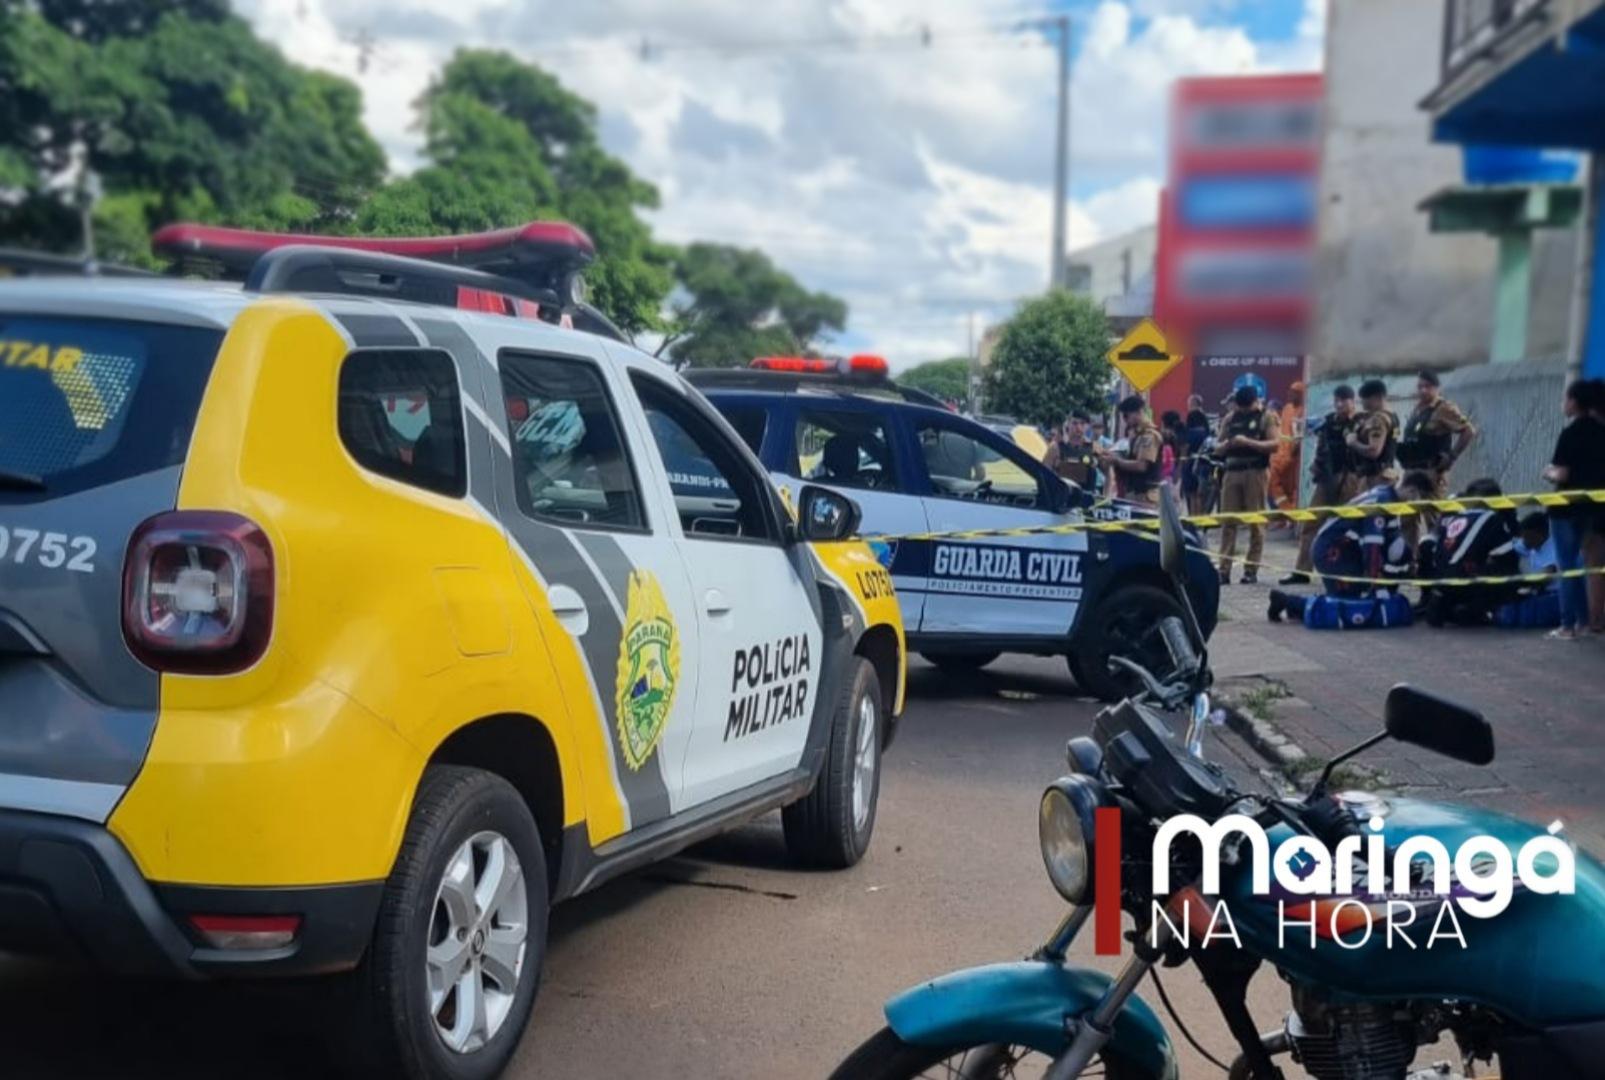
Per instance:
(844,383)
(21,262)
(307,268)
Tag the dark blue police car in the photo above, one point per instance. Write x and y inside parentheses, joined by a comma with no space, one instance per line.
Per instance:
(914,467)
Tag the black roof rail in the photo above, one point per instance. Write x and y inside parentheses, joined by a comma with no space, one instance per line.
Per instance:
(759,379)
(23,262)
(310,268)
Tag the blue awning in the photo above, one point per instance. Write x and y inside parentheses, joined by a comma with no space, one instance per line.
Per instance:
(1553,96)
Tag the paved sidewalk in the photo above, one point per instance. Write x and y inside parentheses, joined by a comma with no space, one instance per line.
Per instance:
(1545,699)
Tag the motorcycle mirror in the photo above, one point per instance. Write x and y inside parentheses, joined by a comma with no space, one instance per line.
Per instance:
(1172,540)
(1425,719)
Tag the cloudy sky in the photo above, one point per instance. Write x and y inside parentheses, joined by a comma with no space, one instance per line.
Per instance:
(912,179)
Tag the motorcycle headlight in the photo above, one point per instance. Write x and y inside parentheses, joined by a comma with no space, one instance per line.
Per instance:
(1065,826)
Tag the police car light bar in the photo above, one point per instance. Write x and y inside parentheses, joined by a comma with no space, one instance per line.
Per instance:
(531,271)
(550,246)
(861,364)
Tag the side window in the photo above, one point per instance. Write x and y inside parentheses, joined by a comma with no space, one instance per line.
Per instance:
(400,415)
(847,449)
(750,423)
(964,467)
(715,491)
(569,461)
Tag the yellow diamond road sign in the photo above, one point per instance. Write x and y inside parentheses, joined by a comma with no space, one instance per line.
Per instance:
(1143,356)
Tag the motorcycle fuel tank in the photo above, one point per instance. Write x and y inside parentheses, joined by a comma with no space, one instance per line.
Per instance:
(1540,961)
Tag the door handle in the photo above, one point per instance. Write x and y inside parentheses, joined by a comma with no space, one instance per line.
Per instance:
(569,608)
(715,604)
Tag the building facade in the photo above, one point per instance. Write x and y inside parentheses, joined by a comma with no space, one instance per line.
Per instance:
(1528,77)
(1236,235)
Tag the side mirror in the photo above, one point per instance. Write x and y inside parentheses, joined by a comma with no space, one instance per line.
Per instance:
(1172,539)
(1424,719)
(826,515)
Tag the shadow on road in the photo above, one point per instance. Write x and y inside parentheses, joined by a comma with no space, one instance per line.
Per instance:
(59,1021)
(1038,677)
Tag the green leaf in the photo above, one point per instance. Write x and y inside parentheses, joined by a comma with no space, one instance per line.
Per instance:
(1049,360)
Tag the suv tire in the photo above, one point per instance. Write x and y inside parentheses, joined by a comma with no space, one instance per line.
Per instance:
(1129,613)
(464,824)
(830,827)
(960,662)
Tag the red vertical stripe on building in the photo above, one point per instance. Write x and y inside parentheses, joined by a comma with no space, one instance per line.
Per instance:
(1106,882)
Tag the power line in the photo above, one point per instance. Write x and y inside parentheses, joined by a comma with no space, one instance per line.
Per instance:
(917,38)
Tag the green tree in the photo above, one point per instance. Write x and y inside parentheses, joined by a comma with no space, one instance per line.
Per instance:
(1050,360)
(946,379)
(507,143)
(181,112)
(735,304)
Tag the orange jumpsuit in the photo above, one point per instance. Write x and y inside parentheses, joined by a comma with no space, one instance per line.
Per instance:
(1284,463)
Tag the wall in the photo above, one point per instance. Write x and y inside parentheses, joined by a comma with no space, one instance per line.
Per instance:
(1389,294)
(1110,268)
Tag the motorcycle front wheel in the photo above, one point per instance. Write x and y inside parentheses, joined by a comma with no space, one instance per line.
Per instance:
(887,1057)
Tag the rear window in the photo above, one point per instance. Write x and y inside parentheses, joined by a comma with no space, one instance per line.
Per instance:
(400,416)
(88,402)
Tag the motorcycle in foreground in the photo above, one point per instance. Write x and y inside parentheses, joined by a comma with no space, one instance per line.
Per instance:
(1371,959)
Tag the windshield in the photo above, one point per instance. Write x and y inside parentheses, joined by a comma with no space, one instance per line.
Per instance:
(87,402)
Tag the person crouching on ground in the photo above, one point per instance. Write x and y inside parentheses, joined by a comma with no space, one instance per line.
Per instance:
(1477,542)
(1371,549)
(1539,606)
(1247,439)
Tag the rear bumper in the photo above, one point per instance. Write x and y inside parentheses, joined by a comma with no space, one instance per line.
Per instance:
(68,887)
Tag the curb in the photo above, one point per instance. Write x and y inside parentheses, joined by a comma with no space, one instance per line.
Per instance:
(1287,758)
(1266,740)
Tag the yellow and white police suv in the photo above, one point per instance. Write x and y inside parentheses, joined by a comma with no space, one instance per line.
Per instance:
(344,630)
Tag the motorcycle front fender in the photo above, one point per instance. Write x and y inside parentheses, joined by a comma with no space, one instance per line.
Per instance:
(1027,1004)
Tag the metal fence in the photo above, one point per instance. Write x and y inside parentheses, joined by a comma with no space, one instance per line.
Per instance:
(1516,408)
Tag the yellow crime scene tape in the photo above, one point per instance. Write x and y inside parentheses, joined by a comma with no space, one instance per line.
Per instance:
(1148,527)
(1395,582)
(1266,517)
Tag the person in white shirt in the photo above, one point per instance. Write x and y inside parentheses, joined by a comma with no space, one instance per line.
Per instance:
(1536,547)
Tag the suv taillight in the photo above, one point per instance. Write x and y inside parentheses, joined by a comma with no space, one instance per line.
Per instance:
(198,592)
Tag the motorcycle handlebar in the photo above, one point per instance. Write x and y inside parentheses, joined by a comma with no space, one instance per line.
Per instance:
(1169,696)
(1178,644)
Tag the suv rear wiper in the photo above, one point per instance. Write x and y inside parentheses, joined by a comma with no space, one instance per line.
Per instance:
(20,481)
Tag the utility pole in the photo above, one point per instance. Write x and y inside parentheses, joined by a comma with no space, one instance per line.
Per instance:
(1061,160)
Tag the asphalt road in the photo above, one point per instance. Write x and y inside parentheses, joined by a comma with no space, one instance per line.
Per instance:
(722,963)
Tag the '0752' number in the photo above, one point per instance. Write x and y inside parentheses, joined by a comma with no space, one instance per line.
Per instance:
(51,550)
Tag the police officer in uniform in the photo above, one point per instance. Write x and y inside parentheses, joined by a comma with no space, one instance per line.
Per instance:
(1072,455)
(1435,435)
(1374,442)
(1335,482)
(1247,439)
(1138,468)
